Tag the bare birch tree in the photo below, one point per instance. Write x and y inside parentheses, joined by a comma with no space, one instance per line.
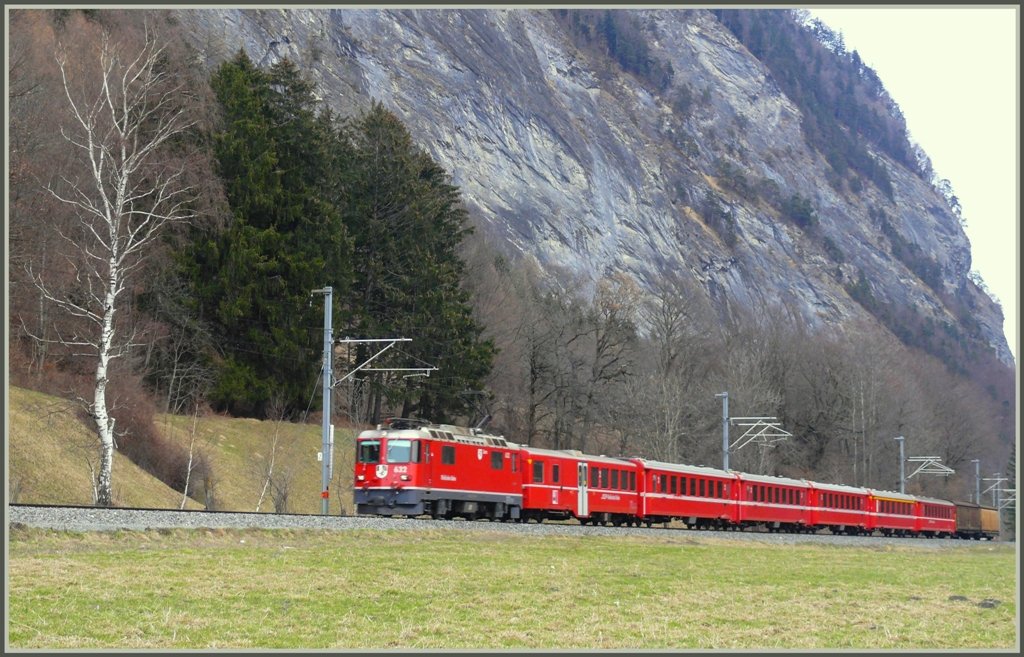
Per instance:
(120,128)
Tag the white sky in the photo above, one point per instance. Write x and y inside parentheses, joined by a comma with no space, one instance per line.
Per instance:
(954,73)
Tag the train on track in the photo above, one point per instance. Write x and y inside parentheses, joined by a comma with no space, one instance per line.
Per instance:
(411,468)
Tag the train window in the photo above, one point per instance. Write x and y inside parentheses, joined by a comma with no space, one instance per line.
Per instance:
(682,485)
(593,477)
(721,495)
(604,477)
(701,488)
(399,451)
(554,473)
(615,479)
(661,483)
(369,451)
(632,481)
(416,451)
(538,471)
(497,460)
(672,486)
(448,454)
(515,462)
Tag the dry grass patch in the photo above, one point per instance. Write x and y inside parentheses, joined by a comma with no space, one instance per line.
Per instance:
(240,452)
(49,451)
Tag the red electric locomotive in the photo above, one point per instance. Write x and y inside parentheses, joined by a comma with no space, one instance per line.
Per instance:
(410,468)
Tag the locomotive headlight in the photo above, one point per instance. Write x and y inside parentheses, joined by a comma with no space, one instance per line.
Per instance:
(404,477)
(360,478)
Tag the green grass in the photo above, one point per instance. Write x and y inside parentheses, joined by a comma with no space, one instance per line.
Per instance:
(177,589)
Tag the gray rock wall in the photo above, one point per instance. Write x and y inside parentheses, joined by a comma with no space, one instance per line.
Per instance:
(580,166)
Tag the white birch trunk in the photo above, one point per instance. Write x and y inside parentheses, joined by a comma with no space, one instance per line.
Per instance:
(121,209)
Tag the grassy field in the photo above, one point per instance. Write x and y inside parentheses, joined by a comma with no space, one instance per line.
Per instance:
(176,589)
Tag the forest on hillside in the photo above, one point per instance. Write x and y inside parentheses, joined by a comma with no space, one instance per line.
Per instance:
(179,277)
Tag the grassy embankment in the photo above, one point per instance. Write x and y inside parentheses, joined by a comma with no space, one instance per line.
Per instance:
(50,449)
(490,590)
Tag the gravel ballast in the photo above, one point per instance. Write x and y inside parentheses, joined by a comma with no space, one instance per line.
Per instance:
(82,519)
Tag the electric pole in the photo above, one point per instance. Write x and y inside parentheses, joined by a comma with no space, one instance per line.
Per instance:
(725,429)
(902,478)
(327,450)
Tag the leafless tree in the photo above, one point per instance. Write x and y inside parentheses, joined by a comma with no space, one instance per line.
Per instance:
(190,466)
(275,468)
(120,126)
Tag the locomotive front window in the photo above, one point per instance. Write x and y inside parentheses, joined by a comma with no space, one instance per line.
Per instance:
(399,451)
(369,451)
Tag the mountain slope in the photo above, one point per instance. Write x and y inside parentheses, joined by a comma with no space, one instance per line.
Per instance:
(589,169)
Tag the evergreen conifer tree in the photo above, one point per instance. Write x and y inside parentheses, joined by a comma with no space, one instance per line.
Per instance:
(408,222)
(254,279)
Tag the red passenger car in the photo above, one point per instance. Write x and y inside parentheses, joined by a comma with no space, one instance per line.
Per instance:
(935,517)
(779,503)
(560,484)
(612,491)
(892,513)
(410,467)
(555,484)
(841,509)
(698,496)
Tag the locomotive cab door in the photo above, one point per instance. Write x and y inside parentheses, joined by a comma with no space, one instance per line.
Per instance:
(582,507)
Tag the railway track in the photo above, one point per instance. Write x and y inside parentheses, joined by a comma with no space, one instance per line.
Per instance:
(88,518)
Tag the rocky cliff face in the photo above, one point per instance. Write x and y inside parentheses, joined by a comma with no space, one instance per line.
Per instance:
(580,165)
